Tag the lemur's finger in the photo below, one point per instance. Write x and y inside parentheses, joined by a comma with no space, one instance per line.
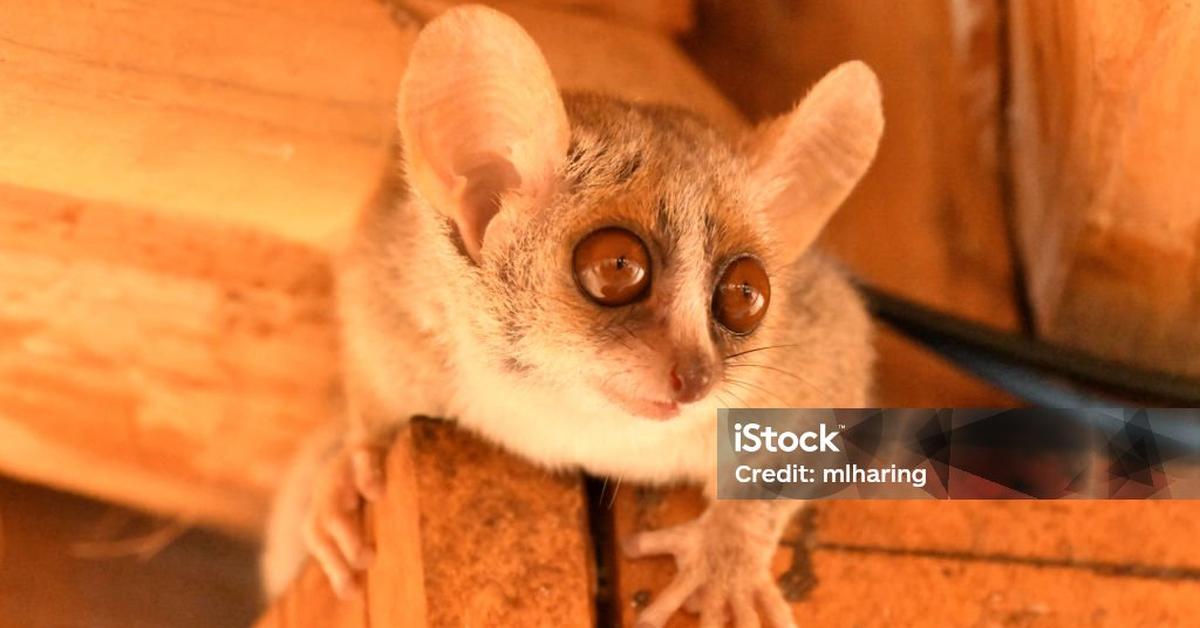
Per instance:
(655,542)
(712,612)
(367,462)
(775,607)
(744,615)
(669,600)
(346,529)
(330,558)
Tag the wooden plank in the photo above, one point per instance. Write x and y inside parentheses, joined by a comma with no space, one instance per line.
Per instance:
(467,535)
(67,561)
(1069,531)
(259,113)
(157,361)
(1106,144)
(853,589)
(170,183)
(310,602)
(880,563)
(171,186)
(668,16)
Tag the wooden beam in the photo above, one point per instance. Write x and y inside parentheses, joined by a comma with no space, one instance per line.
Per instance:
(256,113)
(838,561)
(667,16)
(171,186)
(1106,144)
(1071,532)
(466,535)
(157,361)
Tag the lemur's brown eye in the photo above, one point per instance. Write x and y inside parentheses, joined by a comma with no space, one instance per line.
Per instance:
(612,266)
(741,297)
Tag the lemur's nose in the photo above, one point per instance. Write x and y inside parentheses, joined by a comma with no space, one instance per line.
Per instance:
(691,379)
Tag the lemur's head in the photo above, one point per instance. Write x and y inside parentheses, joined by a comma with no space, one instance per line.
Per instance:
(631,248)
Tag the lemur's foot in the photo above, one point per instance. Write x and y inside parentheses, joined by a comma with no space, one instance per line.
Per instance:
(724,571)
(334,530)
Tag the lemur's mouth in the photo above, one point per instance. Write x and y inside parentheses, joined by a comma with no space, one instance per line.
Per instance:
(657,410)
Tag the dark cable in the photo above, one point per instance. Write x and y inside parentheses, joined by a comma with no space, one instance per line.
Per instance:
(1024,366)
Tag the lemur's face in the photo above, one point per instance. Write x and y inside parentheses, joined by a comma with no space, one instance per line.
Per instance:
(645,271)
(626,252)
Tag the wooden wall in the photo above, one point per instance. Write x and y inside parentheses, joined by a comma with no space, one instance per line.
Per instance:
(173,180)
(1106,148)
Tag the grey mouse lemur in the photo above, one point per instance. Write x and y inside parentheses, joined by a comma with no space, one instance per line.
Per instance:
(585,281)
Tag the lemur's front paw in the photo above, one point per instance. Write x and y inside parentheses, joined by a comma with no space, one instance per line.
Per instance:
(334,528)
(724,571)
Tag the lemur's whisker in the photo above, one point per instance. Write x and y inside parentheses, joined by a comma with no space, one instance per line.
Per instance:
(798,378)
(616,488)
(762,389)
(741,353)
(737,397)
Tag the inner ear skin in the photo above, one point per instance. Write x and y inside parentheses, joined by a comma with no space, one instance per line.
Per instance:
(485,185)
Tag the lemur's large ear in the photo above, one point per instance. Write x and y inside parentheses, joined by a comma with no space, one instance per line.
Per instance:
(804,163)
(480,119)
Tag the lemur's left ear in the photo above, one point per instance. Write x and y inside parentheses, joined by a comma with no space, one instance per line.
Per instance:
(481,121)
(804,163)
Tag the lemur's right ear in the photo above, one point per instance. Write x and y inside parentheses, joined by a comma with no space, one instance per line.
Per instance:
(804,163)
(481,121)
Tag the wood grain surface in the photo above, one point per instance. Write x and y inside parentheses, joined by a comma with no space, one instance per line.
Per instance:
(1106,145)
(173,182)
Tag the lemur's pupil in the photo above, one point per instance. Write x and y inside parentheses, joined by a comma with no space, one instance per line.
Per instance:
(621,263)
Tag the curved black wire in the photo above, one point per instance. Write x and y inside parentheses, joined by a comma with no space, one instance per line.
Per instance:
(1038,372)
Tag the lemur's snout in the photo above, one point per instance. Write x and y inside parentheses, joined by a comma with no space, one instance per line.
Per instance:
(691,379)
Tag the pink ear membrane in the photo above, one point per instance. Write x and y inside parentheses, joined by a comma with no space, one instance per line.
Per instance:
(807,161)
(480,117)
